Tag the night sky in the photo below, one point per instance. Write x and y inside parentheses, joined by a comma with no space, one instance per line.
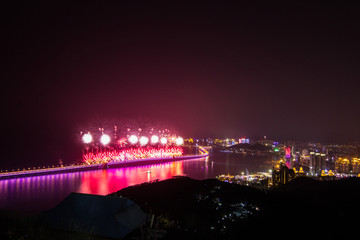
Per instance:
(285,70)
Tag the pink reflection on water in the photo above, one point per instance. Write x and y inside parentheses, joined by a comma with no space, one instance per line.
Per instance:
(103,182)
(43,192)
(37,193)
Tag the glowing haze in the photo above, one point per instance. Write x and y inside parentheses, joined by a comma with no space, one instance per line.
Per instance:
(287,70)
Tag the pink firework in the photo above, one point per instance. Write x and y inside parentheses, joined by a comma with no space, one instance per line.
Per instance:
(131,154)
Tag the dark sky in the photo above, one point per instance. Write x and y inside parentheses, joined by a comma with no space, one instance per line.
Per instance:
(285,70)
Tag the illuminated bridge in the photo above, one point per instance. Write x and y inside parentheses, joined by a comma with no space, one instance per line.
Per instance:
(124,147)
(101,165)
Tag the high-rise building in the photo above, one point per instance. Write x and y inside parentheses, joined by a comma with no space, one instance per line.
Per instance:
(355,162)
(342,165)
(317,163)
(288,157)
(282,175)
(312,163)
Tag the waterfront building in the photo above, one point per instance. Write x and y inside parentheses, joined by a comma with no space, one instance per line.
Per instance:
(312,163)
(342,165)
(244,140)
(281,174)
(288,156)
(326,175)
(355,165)
(300,173)
(305,158)
(317,163)
(345,165)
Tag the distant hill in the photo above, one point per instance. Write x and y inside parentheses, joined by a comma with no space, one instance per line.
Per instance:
(256,146)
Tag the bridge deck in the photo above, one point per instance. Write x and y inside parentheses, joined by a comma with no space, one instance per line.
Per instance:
(76,168)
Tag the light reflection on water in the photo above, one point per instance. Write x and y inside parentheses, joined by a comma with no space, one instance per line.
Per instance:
(38,193)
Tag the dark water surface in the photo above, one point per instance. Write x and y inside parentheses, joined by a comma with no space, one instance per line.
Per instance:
(33,194)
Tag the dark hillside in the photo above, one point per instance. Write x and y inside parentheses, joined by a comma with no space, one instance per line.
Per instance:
(185,208)
(303,209)
(194,208)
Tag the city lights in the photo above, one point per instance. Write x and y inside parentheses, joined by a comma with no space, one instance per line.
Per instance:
(105,139)
(87,138)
